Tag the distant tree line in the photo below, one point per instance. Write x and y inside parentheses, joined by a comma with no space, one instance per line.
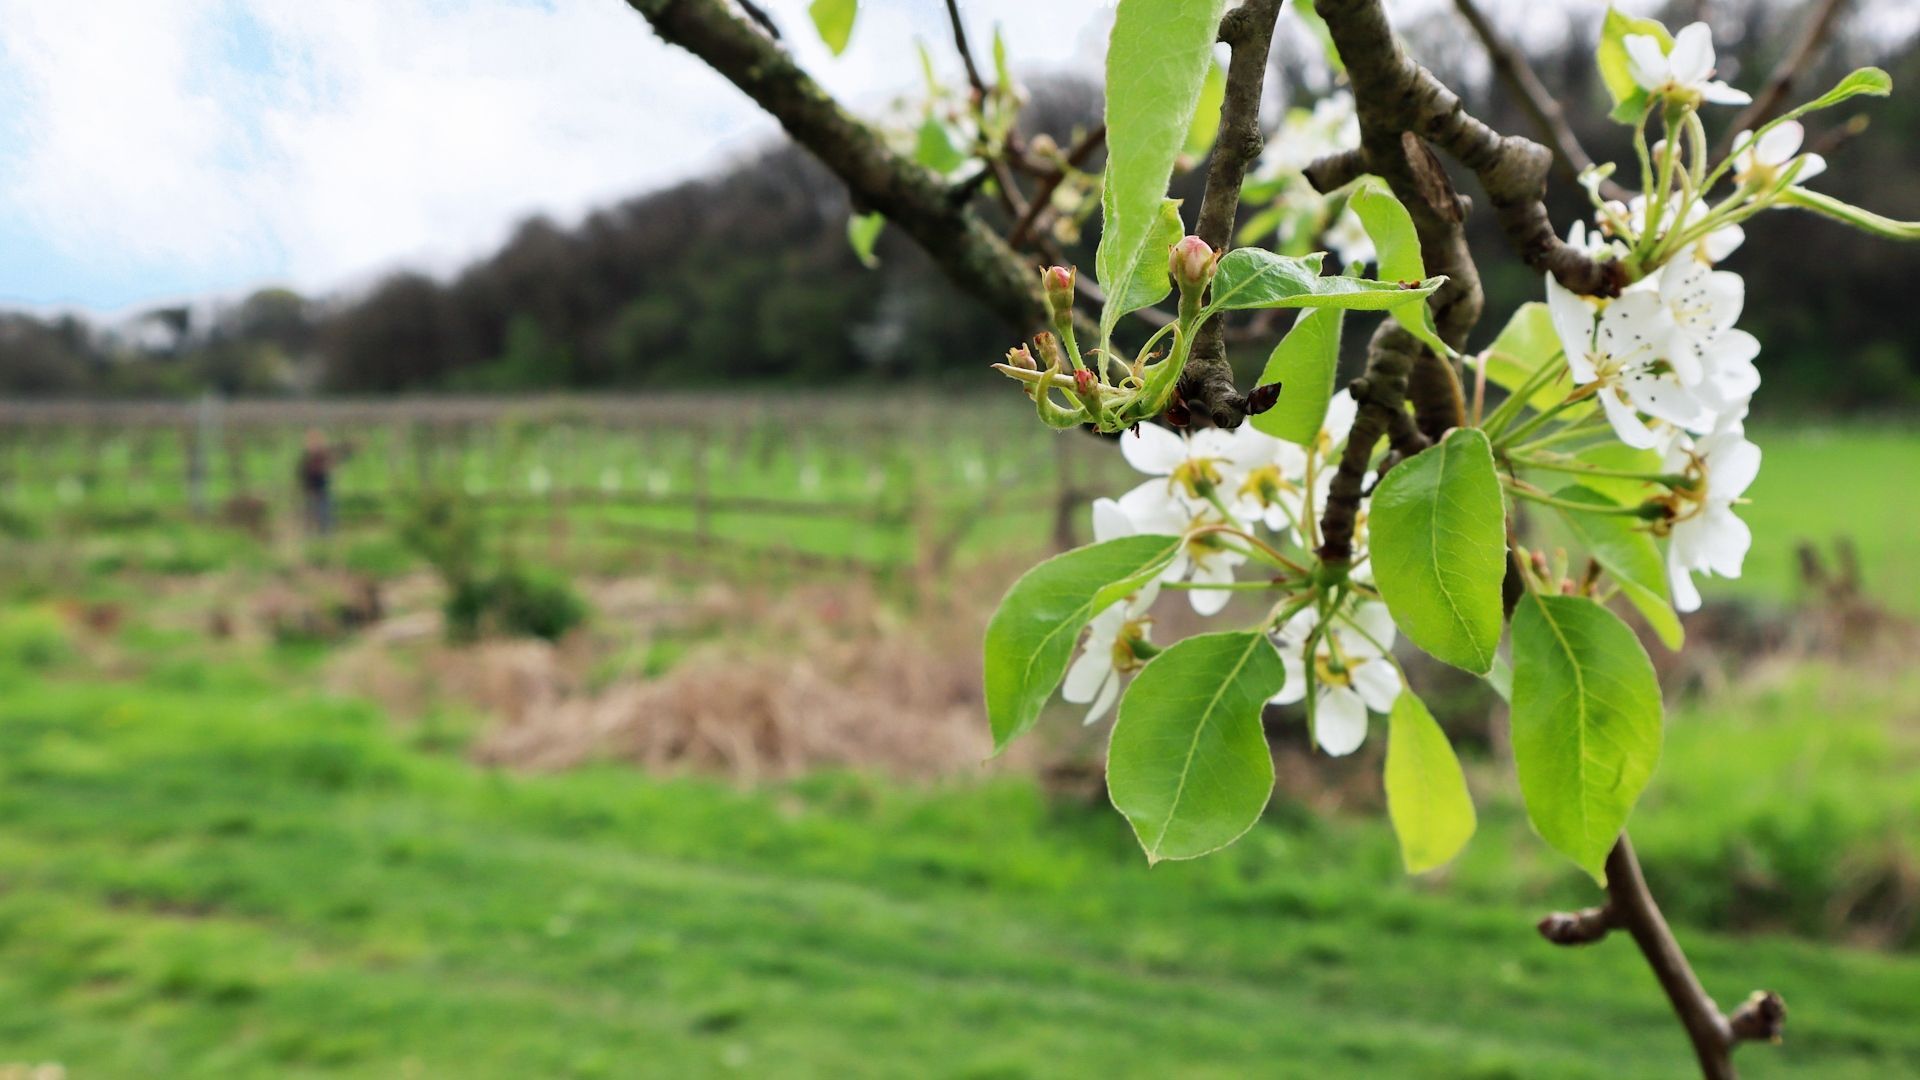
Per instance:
(747,278)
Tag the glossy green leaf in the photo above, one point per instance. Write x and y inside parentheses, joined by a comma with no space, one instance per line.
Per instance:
(1427,798)
(1258,278)
(1157,61)
(863,232)
(1865,220)
(834,20)
(1188,762)
(1304,364)
(1525,345)
(1152,282)
(1586,723)
(1626,551)
(1206,115)
(1438,530)
(1615,70)
(1397,250)
(1867,80)
(1031,637)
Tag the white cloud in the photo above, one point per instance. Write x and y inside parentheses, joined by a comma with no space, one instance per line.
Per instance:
(321,143)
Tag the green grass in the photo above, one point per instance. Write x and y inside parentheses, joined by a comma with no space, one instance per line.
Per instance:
(205,872)
(1819,484)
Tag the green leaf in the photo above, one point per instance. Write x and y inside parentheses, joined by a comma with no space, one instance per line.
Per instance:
(1397,249)
(863,232)
(1867,80)
(1303,363)
(1615,70)
(1438,529)
(1628,553)
(1157,61)
(934,148)
(1206,115)
(1525,345)
(1152,283)
(834,20)
(1002,71)
(1188,762)
(1865,220)
(1586,723)
(1258,278)
(1031,637)
(1427,797)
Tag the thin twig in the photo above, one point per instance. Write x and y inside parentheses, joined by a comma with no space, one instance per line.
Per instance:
(1043,193)
(759,15)
(1548,118)
(1773,94)
(966,52)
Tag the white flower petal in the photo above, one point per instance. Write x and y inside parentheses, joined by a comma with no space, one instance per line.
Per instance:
(1778,146)
(1374,618)
(1731,469)
(1088,673)
(1815,165)
(1691,58)
(1153,449)
(1680,580)
(1378,682)
(1720,243)
(1339,720)
(1725,540)
(1110,522)
(1663,397)
(1646,60)
(1573,323)
(1109,690)
(1626,424)
(1340,413)
(1719,93)
(1294,689)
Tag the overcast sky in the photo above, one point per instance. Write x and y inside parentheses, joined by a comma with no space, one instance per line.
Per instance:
(156,149)
(152,150)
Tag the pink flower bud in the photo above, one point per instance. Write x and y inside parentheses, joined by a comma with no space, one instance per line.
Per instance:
(1191,263)
(1083,381)
(1019,357)
(1057,283)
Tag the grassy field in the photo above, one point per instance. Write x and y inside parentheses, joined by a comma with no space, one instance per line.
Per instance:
(211,867)
(205,875)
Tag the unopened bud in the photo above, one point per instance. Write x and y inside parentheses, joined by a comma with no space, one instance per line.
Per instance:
(1057,283)
(1191,263)
(1083,381)
(1262,398)
(1019,357)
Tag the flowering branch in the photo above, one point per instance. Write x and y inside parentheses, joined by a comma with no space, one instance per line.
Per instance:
(1792,65)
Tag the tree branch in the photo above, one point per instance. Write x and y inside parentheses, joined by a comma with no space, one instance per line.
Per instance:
(1767,102)
(1043,192)
(1206,386)
(1510,64)
(909,195)
(1630,906)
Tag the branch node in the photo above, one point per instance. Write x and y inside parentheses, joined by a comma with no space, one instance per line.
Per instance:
(1577,927)
(1760,1018)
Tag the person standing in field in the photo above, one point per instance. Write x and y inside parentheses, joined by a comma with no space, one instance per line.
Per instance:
(317,460)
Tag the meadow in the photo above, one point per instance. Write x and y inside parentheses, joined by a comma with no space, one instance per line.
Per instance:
(214,861)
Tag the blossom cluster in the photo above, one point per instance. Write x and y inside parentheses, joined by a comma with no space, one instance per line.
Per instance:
(1300,215)
(1236,497)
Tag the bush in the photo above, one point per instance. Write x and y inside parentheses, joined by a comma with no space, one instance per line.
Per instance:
(515,600)
(486,595)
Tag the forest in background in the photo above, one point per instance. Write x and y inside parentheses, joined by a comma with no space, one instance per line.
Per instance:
(747,277)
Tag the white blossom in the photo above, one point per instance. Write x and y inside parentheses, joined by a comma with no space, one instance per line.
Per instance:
(1159,508)
(1094,679)
(1763,161)
(1704,533)
(1622,350)
(1352,673)
(1684,71)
